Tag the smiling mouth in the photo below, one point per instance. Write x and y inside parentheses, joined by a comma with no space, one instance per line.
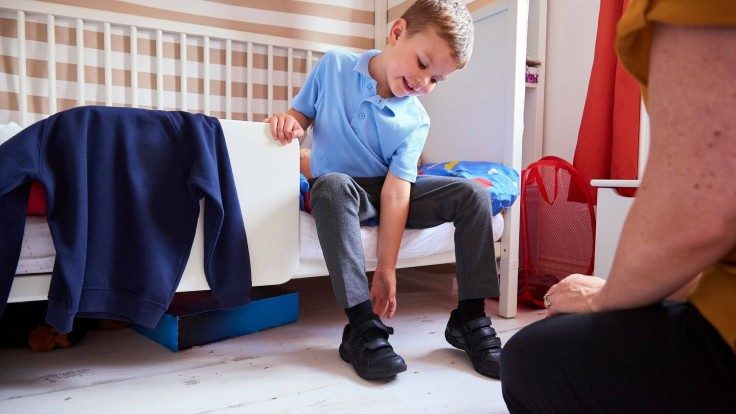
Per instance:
(407,86)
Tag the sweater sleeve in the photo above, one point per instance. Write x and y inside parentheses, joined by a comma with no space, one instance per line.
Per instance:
(18,167)
(226,258)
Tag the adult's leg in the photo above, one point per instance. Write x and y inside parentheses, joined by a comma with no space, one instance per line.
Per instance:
(662,358)
(465,203)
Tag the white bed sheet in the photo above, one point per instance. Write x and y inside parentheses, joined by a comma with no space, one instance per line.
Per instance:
(415,243)
(38,253)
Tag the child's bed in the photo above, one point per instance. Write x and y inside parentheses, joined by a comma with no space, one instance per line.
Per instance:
(282,240)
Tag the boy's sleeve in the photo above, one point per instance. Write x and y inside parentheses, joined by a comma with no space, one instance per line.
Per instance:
(404,161)
(306,100)
(19,164)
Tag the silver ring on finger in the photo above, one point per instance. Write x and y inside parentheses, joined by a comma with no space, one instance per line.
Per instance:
(547,302)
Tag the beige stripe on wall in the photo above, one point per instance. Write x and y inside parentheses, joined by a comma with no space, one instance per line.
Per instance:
(171,15)
(396,11)
(146,47)
(96,76)
(477,4)
(311,9)
(38,104)
(37,68)
(9,101)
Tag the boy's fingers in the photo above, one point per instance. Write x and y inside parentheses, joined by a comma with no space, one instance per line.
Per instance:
(273,121)
(380,307)
(284,128)
(287,130)
(274,133)
(391,307)
(377,307)
(373,303)
(289,126)
(280,128)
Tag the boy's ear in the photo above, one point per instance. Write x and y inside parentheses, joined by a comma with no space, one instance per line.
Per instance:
(397,29)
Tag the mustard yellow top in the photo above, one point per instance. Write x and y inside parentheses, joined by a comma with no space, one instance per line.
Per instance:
(715,296)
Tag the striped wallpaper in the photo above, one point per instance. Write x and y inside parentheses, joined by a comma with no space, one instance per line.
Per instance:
(348,23)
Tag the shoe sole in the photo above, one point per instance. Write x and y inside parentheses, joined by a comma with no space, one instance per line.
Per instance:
(454,342)
(370,376)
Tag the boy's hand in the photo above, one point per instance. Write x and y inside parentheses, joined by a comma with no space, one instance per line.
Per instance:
(383,292)
(284,128)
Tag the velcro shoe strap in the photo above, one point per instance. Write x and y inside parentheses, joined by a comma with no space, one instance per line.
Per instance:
(377,343)
(482,333)
(489,343)
(378,324)
(368,324)
(478,323)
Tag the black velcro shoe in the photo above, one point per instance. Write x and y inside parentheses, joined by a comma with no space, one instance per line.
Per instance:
(478,339)
(366,347)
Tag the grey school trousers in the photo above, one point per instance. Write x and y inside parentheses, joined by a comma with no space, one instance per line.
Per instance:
(341,203)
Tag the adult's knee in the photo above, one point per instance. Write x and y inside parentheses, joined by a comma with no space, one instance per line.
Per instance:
(517,354)
(522,370)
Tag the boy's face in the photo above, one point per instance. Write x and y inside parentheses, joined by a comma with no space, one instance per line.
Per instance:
(418,62)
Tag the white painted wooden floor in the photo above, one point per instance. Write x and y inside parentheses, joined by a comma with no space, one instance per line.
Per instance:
(293,368)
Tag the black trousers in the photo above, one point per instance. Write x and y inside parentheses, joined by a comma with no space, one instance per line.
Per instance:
(664,358)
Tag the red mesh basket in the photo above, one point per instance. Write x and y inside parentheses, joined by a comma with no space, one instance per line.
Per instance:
(557,227)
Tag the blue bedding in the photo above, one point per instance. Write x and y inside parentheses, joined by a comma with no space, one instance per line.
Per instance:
(501,181)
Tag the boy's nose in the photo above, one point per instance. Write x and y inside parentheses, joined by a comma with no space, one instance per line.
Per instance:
(420,82)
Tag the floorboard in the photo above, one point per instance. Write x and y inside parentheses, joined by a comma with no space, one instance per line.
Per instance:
(289,369)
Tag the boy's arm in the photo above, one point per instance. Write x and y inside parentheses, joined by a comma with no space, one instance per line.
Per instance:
(394,210)
(288,125)
(300,118)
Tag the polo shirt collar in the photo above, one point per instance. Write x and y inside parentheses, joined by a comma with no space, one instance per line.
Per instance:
(393,103)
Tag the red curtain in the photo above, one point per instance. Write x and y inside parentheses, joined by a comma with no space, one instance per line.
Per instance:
(608,140)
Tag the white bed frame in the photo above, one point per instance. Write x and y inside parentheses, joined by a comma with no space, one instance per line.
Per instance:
(270,203)
(613,207)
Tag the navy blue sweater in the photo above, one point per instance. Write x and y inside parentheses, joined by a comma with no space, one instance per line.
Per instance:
(123,188)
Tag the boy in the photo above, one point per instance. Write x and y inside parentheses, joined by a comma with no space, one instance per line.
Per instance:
(369,130)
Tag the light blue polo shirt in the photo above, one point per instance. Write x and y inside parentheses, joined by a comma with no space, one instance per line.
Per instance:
(355,131)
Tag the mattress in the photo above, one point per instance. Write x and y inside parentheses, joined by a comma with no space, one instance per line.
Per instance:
(38,253)
(414,243)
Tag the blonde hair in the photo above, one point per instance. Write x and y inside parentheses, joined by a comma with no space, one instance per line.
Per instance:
(451,20)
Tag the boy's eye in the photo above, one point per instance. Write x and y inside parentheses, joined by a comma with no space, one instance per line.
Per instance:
(421,65)
(434,80)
